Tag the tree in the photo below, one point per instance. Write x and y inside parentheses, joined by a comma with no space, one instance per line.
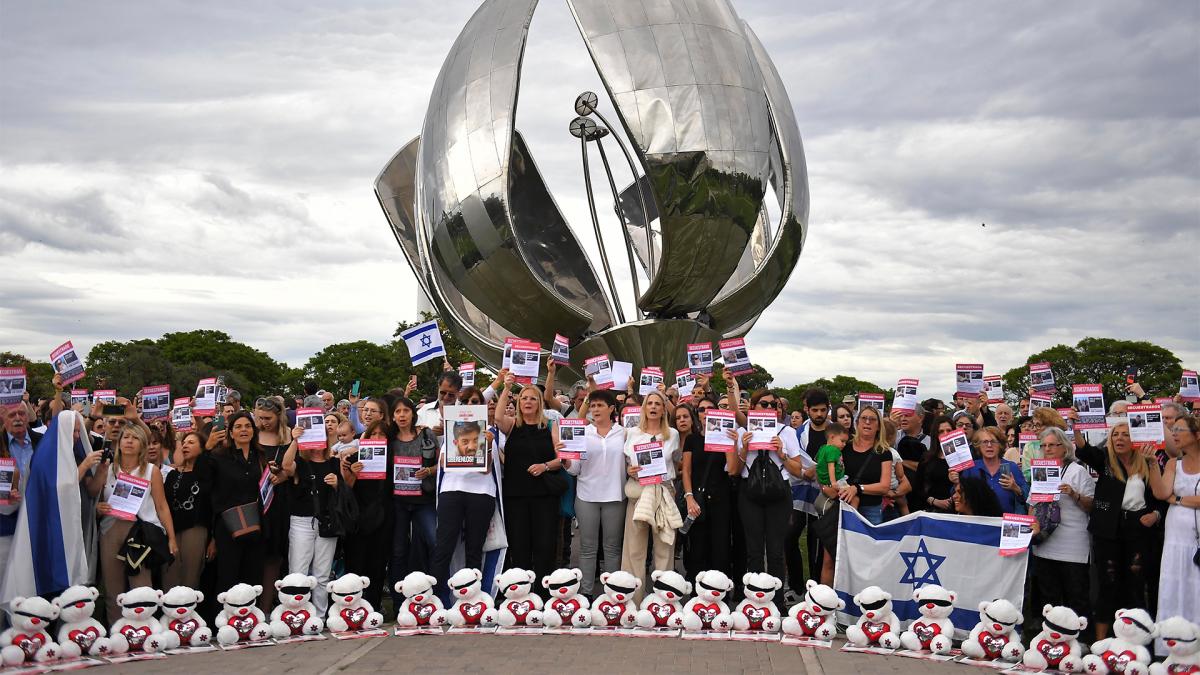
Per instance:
(427,372)
(251,371)
(839,387)
(1100,361)
(38,376)
(750,382)
(378,367)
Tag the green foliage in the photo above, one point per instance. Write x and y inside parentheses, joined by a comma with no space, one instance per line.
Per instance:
(1100,361)
(37,375)
(750,382)
(838,387)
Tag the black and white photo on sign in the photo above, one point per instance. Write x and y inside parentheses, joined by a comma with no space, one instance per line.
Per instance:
(1038,473)
(1190,382)
(1137,420)
(643,458)
(559,350)
(755,424)
(740,355)
(6,477)
(518,358)
(122,489)
(305,422)
(59,366)
(963,376)
(1011,530)
(71,358)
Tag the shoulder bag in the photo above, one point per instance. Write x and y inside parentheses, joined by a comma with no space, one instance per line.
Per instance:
(765,483)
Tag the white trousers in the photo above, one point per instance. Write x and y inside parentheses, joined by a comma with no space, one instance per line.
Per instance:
(310,553)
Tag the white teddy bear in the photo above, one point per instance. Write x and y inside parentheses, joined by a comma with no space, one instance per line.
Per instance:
(182,625)
(708,611)
(348,611)
(663,606)
(132,632)
(995,636)
(295,615)
(814,617)
(1126,652)
(757,611)
(240,619)
(566,607)
(1182,639)
(877,623)
(520,606)
(79,634)
(1056,646)
(614,607)
(421,607)
(934,631)
(28,639)
(472,607)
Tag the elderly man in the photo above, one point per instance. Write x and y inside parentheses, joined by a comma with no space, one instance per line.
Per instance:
(1004,416)
(21,440)
(326,400)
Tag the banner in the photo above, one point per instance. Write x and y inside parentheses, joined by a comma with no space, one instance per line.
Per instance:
(959,553)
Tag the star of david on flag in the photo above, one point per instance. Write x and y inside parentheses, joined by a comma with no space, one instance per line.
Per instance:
(424,342)
(959,553)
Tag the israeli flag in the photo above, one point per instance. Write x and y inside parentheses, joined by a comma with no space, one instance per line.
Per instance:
(958,553)
(424,342)
(47,554)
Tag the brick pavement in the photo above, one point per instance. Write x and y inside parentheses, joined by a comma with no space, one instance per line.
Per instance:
(533,654)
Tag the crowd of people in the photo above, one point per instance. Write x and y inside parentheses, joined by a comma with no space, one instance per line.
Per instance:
(236,499)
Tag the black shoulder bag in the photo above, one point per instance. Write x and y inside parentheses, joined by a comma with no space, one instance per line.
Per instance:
(765,483)
(340,515)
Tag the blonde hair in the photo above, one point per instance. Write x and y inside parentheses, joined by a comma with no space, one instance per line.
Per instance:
(1140,467)
(143,440)
(541,409)
(1049,417)
(666,415)
(881,445)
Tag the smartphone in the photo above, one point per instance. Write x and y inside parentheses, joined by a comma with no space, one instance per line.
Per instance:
(112,410)
(354,389)
(218,423)
(106,452)
(1131,374)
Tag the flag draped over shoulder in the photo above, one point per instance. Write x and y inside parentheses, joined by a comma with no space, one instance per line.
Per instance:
(48,553)
(959,553)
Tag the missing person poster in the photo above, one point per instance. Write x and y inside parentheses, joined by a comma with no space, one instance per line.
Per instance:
(906,396)
(79,396)
(67,363)
(1039,401)
(763,426)
(266,490)
(571,433)
(1145,423)
(599,368)
(700,357)
(1016,533)
(957,451)
(968,379)
(1024,439)
(104,397)
(631,416)
(560,351)
(156,401)
(206,398)
(1041,378)
(1045,478)
(685,382)
(404,476)
(372,452)
(466,438)
(8,473)
(12,385)
(649,379)
(127,496)
(994,385)
(717,425)
(506,357)
(312,421)
(467,372)
(1088,400)
(181,414)
(733,353)
(1189,386)
(526,357)
(869,400)
(652,461)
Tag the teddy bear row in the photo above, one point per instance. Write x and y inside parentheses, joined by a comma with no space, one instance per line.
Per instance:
(153,621)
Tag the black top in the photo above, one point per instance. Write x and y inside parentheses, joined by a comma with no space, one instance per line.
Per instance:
(424,445)
(870,463)
(526,445)
(911,449)
(934,474)
(277,521)
(1107,512)
(816,438)
(716,482)
(374,497)
(235,479)
(310,491)
(189,494)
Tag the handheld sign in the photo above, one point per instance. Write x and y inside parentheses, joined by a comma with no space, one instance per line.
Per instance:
(127,496)
(67,363)
(1045,478)
(571,433)
(733,352)
(8,473)
(404,476)
(685,382)
(968,377)
(762,425)
(957,451)
(526,358)
(869,400)
(1145,423)
(105,396)
(465,439)
(560,351)
(467,372)
(1039,401)
(995,388)
(631,416)
(372,452)
(312,421)
(1088,400)
(12,385)
(156,401)
(1016,533)
(266,490)
(1189,386)
(717,425)
(906,396)
(653,463)
(181,414)
(206,398)
(600,370)
(700,357)
(1041,378)
(79,396)
(650,378)
(621,372)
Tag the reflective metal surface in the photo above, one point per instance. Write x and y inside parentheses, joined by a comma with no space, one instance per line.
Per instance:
(710,128)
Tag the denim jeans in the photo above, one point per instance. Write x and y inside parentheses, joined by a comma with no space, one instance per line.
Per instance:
(873,514)
(412,541)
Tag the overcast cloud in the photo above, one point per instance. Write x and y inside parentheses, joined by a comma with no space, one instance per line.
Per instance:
(169,165)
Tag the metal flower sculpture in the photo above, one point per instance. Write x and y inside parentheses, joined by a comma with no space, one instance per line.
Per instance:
(711,128)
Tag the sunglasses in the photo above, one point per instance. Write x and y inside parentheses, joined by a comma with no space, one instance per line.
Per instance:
(267,404)
(768,404)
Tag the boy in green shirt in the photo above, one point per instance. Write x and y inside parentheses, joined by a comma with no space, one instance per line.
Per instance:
(829,458)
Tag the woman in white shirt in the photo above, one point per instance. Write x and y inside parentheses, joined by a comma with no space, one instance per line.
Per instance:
(657,500)
(1061,565)
(599,490)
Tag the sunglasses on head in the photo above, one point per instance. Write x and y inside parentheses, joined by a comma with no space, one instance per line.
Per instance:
(267,404)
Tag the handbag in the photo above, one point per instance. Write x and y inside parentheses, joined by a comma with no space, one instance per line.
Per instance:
(146,547)
(243,521)
(340,515)
(765,483)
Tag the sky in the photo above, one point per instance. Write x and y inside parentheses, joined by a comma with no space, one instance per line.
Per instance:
(987,179)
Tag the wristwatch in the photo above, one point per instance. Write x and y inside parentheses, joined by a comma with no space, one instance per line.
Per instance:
(688,494)
(859,488)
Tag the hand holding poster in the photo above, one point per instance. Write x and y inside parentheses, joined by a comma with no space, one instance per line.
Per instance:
(631,416)
(957,451)
(526,360)
(621,372)
(1016,533)
(571,433)
(685,382)
(700,357)
(127,496)
(506,357)
(156,401)
(372,452)
(906,395)
(404,476)
(560,352)
(206,398)
(1045,478)
(181,414)
(1089,402)
(652,462)
(968,378)
(12,385)
(8,473)
(733,352)
(266,490)
(466,446)
(1189,386)
(1145,423)
(869,400)
(467,372)
(67,363)
(763,425)
(600,370)
(1041,378)
(650,378)
(312,421)
(995,388)
(717,426)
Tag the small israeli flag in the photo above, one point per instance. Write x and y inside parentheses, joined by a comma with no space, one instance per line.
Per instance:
(424,342)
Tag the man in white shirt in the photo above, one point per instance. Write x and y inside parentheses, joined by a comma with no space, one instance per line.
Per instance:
(449,383)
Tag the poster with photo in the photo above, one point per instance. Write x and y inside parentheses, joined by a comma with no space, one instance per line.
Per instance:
(1025,438)
(717,425)
(631,416)
(869,400)
(404,476)
(266,490)
(372,452)
(1039,401)
(79,396)
(156,401)
(8,473)
(651,461)
(67,363)
(733,353)
(1088,400)
(1145,423)
(1045,478)
(649,379)
(181,414)
(467,372)
(968,379)
(127,496)
(700,357)
(1041,378)
(466,446)
(957,451)
(1189,386)
(312,421)
(526,360)
(763,425)
(571,433)
(1016,533)
(621,372)
(685,383)
(599,368)
(104,397)
(560,351)
(906,395)
(506,356)
(994,385)
(206,398)
(12,385)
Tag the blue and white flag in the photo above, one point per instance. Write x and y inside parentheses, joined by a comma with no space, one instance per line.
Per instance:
(48,554)
(424,342)
(959,553)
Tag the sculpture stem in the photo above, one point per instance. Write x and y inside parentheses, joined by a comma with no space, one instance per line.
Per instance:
(613,299)
(612,184)
(641,197)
